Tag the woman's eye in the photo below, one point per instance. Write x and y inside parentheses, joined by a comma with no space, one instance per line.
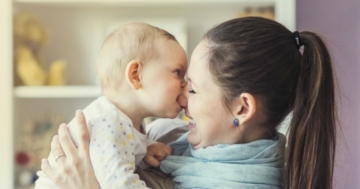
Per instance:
(192,91)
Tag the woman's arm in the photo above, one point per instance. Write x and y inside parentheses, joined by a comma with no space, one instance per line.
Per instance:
(75,170)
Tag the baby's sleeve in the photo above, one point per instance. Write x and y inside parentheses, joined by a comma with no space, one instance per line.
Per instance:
(112,153)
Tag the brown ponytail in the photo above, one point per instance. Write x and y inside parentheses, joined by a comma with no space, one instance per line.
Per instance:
(312,133)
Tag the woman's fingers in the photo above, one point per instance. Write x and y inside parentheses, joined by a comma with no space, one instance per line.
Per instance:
(74,168)
(84,136)
(56,150)
(47,169)
(66,143)
(52,173)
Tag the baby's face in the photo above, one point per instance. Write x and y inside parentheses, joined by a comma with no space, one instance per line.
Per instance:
(163,79)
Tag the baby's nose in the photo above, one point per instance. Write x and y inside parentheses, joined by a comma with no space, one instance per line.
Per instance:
(183,83)
(183,98)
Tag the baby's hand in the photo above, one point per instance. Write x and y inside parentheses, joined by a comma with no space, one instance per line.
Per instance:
(155,153)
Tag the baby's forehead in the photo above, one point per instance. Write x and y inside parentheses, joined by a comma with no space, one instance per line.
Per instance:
(166,46)
(172,52)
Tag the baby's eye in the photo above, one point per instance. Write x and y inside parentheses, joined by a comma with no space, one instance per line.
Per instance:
(177,72)
(192,91)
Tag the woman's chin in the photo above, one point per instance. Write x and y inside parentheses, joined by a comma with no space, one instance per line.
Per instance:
(193,139)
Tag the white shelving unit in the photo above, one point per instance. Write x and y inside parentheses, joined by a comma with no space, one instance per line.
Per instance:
(57,92)
(77,29)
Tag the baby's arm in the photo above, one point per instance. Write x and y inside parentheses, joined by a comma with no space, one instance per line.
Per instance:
(112,153)
(155,153)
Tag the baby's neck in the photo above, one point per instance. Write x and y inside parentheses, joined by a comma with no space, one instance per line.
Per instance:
(129,106)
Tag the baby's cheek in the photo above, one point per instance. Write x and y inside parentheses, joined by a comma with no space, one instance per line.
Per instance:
(173,90)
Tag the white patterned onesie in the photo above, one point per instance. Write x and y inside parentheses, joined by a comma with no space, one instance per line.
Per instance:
(116,147)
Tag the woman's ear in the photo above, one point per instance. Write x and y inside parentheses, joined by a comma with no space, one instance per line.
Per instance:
(133,72)
(244,108)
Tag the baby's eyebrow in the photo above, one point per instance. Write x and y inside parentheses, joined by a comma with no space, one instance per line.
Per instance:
(181,66)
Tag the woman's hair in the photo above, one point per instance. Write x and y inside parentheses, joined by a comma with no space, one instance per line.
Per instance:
(133,41)
(261,57)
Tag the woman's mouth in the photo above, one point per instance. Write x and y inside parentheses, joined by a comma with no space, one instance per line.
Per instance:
(192,123)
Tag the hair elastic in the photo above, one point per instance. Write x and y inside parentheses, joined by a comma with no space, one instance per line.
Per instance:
(298,40)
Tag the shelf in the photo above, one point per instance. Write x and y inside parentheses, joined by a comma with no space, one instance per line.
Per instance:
(149,3)
(57,92)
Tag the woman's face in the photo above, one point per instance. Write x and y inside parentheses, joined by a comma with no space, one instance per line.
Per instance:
(210,120)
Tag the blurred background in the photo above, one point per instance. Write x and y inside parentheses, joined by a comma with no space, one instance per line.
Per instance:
(48,50)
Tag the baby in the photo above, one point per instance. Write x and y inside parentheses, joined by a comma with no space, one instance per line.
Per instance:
(141,70)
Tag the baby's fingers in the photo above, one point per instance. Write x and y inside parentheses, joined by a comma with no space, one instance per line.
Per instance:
(161,154)
(151,161)
(168,150)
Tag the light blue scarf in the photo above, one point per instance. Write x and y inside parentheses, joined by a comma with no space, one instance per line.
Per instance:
(255,165)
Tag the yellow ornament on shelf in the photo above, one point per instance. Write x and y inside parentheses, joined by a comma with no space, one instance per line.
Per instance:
(28,68)
(30,35)
(57,73)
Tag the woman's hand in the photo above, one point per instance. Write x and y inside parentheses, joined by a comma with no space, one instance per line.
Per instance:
(75,170)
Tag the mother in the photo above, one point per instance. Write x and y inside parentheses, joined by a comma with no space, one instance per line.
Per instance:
(245,76)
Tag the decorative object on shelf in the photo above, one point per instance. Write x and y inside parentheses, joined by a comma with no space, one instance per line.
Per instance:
(31,145)
(56,73)
(265,12)
(26,178)
(33,141)
(29,37)
(22,158)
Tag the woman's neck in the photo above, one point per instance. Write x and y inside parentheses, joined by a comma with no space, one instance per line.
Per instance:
(256,133)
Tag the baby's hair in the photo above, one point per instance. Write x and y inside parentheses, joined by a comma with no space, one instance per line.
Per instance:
(261,57)
(133,41)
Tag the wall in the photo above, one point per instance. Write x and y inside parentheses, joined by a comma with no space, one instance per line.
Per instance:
(339,22)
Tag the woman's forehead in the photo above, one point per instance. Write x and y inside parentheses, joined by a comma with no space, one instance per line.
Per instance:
(199,74)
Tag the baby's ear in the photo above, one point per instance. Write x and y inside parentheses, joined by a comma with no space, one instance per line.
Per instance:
(133,70)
